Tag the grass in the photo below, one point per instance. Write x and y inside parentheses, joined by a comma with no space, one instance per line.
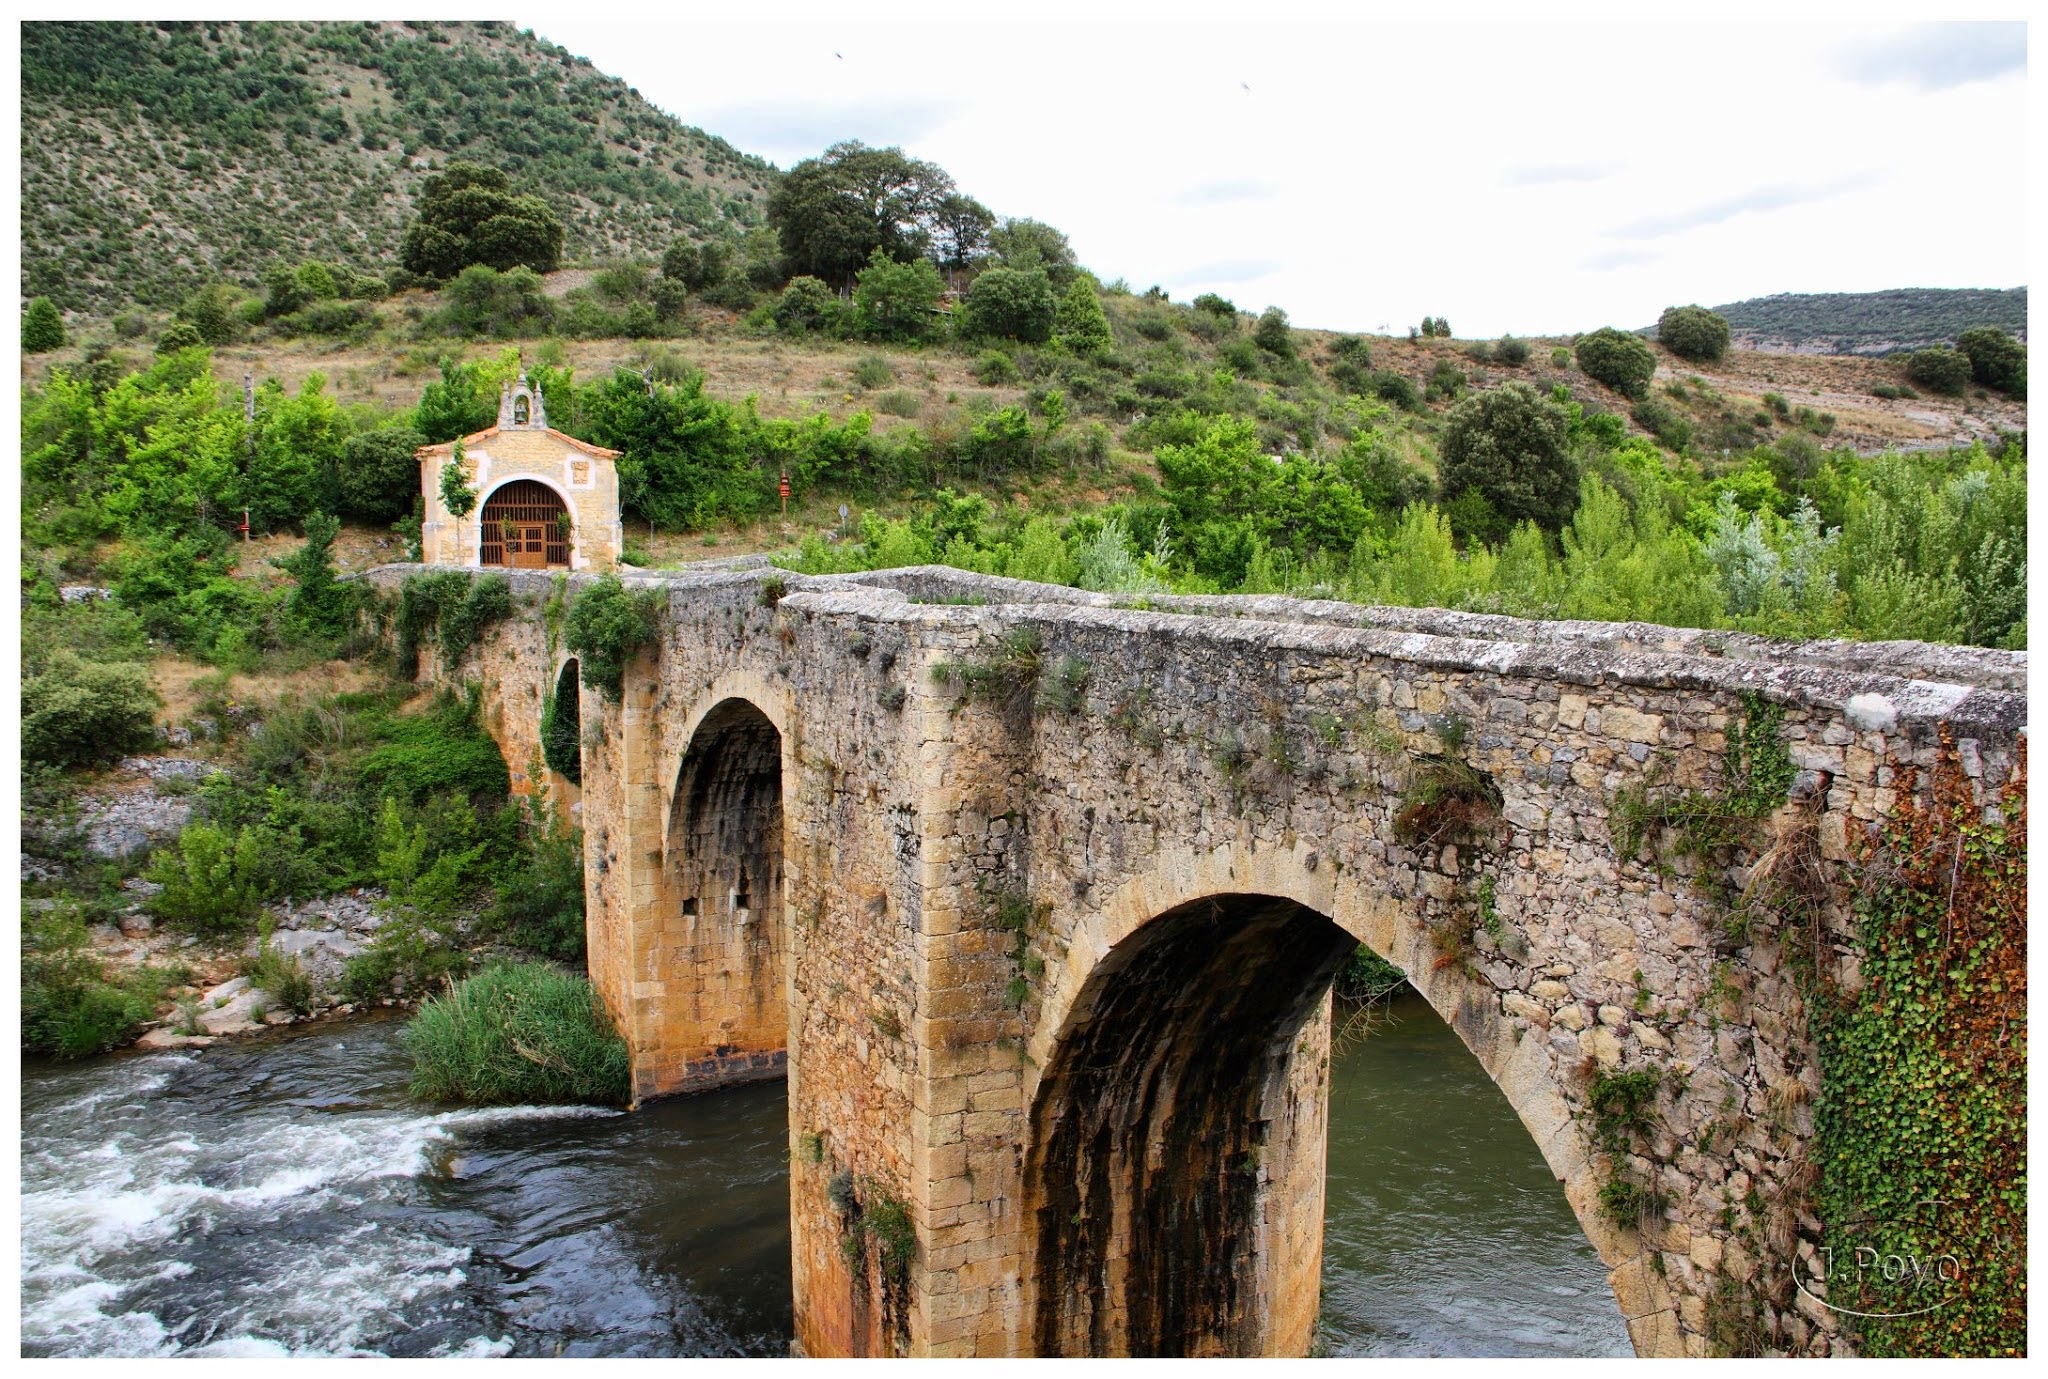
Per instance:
(517,1033)
(280,977)
(1446,797)
(1005,677)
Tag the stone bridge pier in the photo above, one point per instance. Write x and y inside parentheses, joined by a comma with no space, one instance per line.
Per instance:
(1036,900)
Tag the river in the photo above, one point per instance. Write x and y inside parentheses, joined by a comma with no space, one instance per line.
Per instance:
(282,1196)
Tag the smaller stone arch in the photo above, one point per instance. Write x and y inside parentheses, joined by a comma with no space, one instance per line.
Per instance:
(711,952)
(561,726)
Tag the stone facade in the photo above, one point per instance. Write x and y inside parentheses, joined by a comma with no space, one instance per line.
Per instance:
(1053,954)
(523,446)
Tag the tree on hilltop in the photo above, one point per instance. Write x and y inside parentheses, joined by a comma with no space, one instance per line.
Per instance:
(1996,359)
(469,214)
(835,212)
(1693,332)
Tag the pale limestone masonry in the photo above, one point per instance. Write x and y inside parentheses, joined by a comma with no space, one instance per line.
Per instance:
(1053,978)
(523,446)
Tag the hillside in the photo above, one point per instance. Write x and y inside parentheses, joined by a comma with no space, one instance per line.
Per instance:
(1871,322)
(157,156)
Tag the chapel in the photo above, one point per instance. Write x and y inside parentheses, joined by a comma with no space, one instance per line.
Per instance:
(545,500)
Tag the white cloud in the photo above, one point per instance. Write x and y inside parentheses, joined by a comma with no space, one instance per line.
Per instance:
(1937,57)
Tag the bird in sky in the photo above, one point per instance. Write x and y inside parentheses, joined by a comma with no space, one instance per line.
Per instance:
(1247,87)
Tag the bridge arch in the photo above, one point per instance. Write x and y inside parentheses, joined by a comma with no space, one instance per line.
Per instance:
(719,949)
(1178,1093)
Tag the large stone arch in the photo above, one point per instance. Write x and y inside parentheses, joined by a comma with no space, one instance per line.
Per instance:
(1267,892)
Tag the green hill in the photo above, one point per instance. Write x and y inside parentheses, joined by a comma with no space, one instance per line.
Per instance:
(1872,322)
(158,156)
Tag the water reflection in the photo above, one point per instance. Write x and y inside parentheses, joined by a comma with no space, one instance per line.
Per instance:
(1444,1232)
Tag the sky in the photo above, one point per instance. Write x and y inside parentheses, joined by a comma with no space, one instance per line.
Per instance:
(1537,178)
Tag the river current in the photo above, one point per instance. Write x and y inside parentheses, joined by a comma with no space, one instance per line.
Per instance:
(283,1196)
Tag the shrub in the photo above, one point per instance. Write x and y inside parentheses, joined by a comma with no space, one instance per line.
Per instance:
(1941,370)
(1693,332)
(1671,429)
(1618,359)
(1219,307)
(1396,388)
(1511,351)
(899,403)
(1509,445)
(895,301)
(1560,358)
(996,369)
(539,902)
(1353,349)
(444,750)
(1271,333)
(71,1005)
(806,304)
(525,1033)
(1080,325)
(1011,303)
(78,713)
(608,625)
(215,878)
(279,976)
(42,327)
(1996,359)
(1446,380)
(873,371)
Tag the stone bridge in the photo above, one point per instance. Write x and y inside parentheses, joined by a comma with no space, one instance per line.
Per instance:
(1037,895)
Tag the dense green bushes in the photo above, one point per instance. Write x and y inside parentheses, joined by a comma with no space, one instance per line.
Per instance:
(526,1033)
(1939,370)
(78,712)
(608,625)
(1507,447)
(1011,304)
(1693,332)
(1996,359)
(71,1005)
(1618,359)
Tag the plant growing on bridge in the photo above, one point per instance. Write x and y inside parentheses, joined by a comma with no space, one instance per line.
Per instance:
(1757,772)
(883,1217)
(608,626)
(455,608)
(1920,1130)
(1005,677)
(1446,797)
(1066,691)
